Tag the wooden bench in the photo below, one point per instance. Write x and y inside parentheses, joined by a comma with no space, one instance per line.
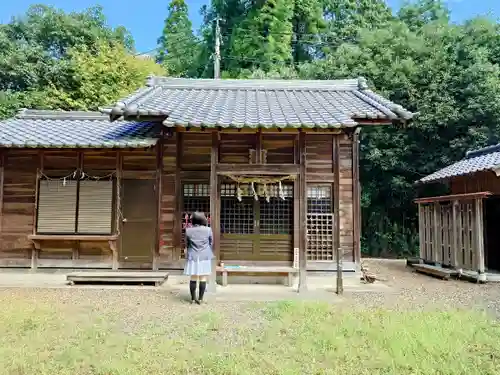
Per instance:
(290,271)
(136,277)
(444,273)
(38,239)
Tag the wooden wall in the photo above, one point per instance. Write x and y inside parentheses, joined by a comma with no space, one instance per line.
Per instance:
(19,201)
(320,170)
(185,157)
(479,182)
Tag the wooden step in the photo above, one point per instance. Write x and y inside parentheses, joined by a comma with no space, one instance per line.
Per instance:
(444,273)
(135,277)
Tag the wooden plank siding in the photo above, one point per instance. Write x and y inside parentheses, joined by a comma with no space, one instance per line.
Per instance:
(478,182)
(186,157)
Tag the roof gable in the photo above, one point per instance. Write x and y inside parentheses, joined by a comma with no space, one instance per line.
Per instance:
(258,103)
(74,129)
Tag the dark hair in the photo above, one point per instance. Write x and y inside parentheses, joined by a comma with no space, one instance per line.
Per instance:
(199,218)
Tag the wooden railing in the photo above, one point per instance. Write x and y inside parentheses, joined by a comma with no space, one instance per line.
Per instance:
(451,231)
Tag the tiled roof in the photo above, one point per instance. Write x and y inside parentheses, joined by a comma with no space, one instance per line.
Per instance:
(258,103)
(57,129)
(484,159)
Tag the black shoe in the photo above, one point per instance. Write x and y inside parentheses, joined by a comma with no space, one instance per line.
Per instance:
(199,302)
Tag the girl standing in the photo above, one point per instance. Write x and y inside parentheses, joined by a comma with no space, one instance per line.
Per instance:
(199,255)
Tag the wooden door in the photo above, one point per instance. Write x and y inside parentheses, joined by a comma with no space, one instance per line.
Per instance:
(139,222)
(256,230)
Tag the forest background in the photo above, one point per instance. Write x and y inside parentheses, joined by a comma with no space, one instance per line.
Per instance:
(448,72)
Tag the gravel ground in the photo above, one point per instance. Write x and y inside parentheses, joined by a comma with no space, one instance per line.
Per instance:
(415,291)
(409,291)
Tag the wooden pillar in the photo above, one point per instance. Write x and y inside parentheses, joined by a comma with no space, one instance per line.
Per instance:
(479,240)
(302,214)
(437,257)
(214,209)
(421,232)
(455,234)
(296,205)
(35,249)
(336,211)
(177,235)
(356,197)
(118,209)
(159,194)
(2,181)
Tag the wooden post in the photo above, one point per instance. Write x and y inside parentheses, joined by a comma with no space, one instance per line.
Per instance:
(436,248)
(2,181)
(296,208)
(479,240)
(356,197)
(159,194)
(421,232)
(303,214)
(177,235)
(455,234)
(76,244)
(214,207)
(35,249)
(118,217)
(336,211)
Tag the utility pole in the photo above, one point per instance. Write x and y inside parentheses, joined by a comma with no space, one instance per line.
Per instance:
(217,50)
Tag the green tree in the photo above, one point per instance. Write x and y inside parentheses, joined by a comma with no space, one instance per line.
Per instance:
(346,18)
(416,14)
(263,39)
(179,49)
(99,78)
(33,46)
(34,51)
(308,23)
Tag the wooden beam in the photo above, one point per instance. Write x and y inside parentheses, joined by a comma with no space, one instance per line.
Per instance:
(303,215)
(159,194)
(461,197)
(336,213)
(257,169)
(118,209)
(364,121)
(214,206)
(356,197)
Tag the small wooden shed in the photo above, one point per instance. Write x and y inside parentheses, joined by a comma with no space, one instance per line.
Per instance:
(273,164)
(459,231)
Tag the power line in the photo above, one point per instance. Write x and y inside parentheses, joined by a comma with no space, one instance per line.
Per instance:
(317,42)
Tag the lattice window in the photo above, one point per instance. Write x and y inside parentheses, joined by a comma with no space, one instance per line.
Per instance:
(196,197)
(237,217)
(319,199)
(320,237)
(320,246)
(276,216)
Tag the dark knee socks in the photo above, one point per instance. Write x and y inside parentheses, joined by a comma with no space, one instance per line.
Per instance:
(192,289)
(203,287)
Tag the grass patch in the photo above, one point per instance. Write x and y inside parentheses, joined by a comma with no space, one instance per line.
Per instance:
(290,338)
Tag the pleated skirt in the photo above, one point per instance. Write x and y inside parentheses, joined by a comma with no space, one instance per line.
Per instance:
(198,267)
